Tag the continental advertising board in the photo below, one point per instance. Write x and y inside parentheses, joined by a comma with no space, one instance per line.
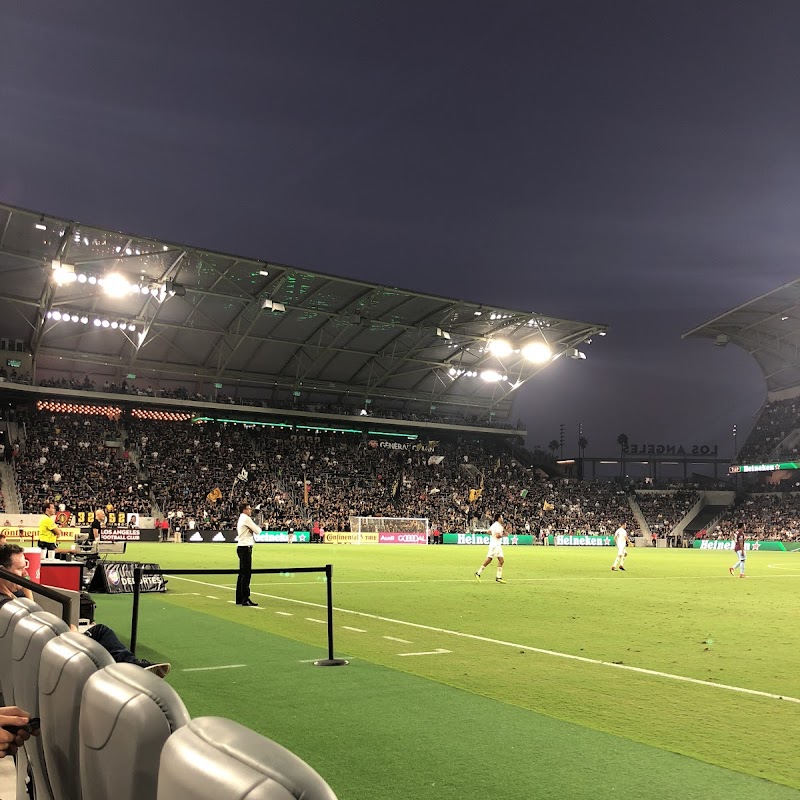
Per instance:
(28,536)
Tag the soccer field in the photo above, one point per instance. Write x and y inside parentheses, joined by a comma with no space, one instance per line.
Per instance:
(671,680)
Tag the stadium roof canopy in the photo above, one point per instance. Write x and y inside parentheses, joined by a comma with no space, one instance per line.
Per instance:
(768,328)
(190,316)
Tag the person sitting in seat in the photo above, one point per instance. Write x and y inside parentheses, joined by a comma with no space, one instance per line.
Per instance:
(12,559)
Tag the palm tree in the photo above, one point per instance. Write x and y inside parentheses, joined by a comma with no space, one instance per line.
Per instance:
(622,441)
(583,443)
(553,446)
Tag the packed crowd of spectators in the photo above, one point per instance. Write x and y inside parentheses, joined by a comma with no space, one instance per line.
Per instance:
(199,472)
(13,376)
(765,443)
(76,461)
(764,516)
(664,510)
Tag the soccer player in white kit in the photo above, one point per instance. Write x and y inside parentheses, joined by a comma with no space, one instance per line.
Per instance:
(621,540)
(496,531)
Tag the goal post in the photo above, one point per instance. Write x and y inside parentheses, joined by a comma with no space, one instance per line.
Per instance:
(418,527)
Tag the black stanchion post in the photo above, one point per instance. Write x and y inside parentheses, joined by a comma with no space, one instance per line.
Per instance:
(137,585)
(330,661)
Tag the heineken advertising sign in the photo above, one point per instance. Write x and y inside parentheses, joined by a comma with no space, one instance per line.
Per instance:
(736,468)
(727,544)
(584,541)
(485,538)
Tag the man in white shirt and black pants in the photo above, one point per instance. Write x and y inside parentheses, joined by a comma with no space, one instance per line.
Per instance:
(245,529)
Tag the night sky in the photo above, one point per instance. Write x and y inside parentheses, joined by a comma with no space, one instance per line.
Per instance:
(630,163)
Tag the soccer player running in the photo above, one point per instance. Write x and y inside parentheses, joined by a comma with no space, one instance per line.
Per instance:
(621,540)
(739,549)
(496,531)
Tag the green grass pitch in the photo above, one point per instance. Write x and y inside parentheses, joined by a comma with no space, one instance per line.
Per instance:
(465,689)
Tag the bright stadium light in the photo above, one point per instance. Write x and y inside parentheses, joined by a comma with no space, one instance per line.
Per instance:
(499,347)
(491,376)
(115,285)
(537,352)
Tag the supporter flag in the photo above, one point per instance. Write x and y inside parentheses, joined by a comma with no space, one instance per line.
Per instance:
(242,476)
(523,494)
(474,494)
(396,487)
(547,506)
(305,490)
(214,495)
(434,460)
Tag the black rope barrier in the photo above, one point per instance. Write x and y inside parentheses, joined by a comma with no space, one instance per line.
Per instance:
(139,571)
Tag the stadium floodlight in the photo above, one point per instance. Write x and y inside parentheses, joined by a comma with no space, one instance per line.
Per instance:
(491,376)
(537,352)
(576,354)
(443,334)
(116,285)
(272,305)
(499,347)
(56,315)
(63,273)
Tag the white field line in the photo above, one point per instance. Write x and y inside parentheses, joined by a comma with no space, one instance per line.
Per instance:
(438,651)
(207,669)
(211,597)
(395,639)
(578,578)
(528,648)
(285,613)
(356,630)
(321,621)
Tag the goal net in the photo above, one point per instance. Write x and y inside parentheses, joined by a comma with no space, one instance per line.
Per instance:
(413,525)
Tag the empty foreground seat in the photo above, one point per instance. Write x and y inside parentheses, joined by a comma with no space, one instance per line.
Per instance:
(31,635)
(67,663)
(126,716)
(213,758)
(10,613)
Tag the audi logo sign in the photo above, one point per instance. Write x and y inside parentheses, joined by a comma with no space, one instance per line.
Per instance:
(402,538)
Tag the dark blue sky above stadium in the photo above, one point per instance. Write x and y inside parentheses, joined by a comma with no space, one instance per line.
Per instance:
(621,162)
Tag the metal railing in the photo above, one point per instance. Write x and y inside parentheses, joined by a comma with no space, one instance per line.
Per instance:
(139,571)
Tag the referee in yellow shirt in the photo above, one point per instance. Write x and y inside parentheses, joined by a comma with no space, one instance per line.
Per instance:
(48,530)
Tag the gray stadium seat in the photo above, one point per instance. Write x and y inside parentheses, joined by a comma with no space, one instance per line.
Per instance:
(213,758)
(10,613)
(67,663)
(126,716)
(31,634)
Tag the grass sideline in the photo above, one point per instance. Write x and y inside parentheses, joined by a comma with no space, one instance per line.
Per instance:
(493,716)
